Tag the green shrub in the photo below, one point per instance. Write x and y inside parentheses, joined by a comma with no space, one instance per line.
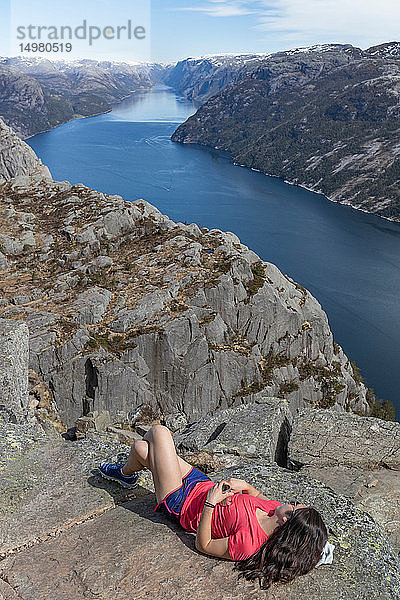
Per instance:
(287,388)
(258,280)
(356,373)
(113,343)
(271,362)
(327,402)
(381,409)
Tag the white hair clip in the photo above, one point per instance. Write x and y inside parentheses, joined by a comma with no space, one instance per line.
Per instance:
(326,555)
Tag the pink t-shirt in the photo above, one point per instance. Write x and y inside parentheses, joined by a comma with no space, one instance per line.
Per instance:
(236,521)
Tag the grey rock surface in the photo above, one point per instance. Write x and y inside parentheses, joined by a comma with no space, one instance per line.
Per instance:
(16,157)
(176,422)
(95,420)
(91,305)
(45,484)
(3,262)
(14,361)
(97,540)
(356,456)
(375,491)
(255,431)
(321,438)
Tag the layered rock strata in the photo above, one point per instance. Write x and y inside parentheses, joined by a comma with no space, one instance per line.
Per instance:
(14,359)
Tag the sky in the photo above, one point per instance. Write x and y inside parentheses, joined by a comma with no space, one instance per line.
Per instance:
(176,29)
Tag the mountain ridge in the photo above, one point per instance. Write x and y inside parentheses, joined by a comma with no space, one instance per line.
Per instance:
(327,123)
(63,90)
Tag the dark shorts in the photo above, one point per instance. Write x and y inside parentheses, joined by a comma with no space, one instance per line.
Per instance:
(172,504)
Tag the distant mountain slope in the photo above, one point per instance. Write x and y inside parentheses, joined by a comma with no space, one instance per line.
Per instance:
(327,120)
(26,108)
(199,78)
(38,94)
(387,50)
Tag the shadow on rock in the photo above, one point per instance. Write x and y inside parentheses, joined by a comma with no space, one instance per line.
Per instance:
(142,502)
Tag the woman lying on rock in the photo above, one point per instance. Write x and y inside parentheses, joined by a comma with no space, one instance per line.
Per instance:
(270,541)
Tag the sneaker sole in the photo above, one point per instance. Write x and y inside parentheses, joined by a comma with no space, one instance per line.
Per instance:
(122,483)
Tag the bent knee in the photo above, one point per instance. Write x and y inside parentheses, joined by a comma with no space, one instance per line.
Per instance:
(141,447)
(158,434)
(160,430)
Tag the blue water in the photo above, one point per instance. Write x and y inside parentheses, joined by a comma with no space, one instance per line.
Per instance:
(349,260)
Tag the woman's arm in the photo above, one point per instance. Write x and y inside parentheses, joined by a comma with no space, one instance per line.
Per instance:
(204,541)
(239,485)
(253,492)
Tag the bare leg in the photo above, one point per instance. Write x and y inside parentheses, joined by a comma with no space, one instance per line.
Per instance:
(137,459)
(156,451)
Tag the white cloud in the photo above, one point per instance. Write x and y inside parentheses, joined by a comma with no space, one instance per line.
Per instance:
(303,22)
(328,15)
(223,8)
(330,20)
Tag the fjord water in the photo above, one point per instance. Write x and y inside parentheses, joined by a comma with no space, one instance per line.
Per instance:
(349,260)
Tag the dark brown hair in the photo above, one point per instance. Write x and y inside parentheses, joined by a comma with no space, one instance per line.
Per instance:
(293,549)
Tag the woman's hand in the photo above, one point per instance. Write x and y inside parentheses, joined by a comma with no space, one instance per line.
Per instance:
(238,485)
(216,495)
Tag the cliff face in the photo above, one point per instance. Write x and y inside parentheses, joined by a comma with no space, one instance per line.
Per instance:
(16,157)
(126,307)
(326,120)
(38,94)
(14,357)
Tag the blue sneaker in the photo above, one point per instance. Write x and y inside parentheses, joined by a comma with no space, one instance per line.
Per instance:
(113,472)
